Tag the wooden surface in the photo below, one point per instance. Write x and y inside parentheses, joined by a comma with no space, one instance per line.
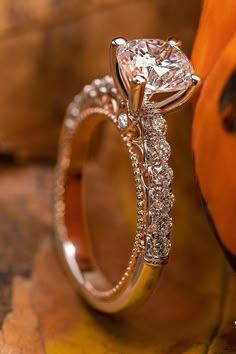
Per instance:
(47,50)
(24,222)
(214,127)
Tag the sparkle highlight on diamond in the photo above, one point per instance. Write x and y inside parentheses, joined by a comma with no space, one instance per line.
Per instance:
(165,66)
(122,120)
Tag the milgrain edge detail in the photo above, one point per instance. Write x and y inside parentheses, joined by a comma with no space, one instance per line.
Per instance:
(149,153)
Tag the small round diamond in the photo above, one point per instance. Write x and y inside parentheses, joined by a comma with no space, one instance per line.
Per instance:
(159,150)
(165,226)
(163,246)
(122,120)
(155,126)
(73,110)
(159,247)
(161,175)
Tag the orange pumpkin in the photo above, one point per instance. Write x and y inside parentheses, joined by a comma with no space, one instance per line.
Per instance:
(214,126)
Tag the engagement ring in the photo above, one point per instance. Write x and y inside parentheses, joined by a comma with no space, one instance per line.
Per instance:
(150,77)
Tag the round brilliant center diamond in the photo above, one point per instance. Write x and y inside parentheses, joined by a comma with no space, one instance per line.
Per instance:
(166,67)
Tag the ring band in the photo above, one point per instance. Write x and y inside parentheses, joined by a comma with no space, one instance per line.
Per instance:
(150,78)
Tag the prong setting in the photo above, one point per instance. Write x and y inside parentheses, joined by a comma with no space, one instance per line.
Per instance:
(195,79)
(174,42)
(136,92)
(115,43)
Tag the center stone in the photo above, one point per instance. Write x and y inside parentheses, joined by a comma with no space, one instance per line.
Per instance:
(166,67)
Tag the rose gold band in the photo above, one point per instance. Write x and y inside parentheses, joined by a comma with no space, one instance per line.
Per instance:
(138,117)
(83,117)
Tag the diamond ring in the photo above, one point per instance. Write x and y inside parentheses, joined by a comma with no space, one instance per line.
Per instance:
(150,77)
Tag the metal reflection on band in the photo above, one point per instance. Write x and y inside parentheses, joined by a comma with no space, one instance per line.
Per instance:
(142,128)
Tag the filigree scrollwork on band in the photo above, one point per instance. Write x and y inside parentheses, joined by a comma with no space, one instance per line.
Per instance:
(149,153)
(160,197)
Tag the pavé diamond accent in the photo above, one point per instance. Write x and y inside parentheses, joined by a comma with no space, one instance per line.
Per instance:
(153,203)
(122,120)
(157,248)
(166,67)
(160,175)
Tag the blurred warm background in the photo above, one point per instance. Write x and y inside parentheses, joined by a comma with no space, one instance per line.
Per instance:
(48,50)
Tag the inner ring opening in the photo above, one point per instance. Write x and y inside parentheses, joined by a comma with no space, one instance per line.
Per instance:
(100,201)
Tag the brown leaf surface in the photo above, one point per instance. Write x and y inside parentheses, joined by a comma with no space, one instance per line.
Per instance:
(20,332)
(191,311)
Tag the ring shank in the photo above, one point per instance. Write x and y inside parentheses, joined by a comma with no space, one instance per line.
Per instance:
(72,230)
